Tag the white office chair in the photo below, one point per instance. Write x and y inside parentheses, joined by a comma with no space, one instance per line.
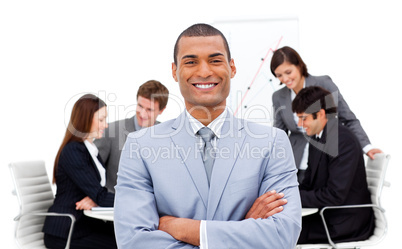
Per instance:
(375,170)
(35,196)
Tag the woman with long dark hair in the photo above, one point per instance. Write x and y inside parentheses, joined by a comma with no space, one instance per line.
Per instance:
(80,179)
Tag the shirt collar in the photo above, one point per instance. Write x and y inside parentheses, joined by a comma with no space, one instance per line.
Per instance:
(91,148)
(319,135)
(215,125)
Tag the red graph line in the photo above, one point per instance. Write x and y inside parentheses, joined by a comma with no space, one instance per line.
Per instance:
(258,71)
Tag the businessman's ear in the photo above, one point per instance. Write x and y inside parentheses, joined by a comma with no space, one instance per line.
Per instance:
(233,68)
(174,68)
(321,114)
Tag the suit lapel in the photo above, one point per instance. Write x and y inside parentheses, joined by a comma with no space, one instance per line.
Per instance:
(313,162)
(122,129)
(317,151)
(232,140)
(93,164)
(185,143)
(288,114)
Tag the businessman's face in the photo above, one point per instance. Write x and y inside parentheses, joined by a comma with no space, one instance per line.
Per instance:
(311,125)
(147,111)
(203,71)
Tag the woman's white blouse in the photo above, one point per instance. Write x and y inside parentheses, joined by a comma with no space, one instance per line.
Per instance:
(93,151)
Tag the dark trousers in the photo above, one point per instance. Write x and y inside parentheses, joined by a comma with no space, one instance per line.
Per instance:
(98,239)
(300,175)
(313,230)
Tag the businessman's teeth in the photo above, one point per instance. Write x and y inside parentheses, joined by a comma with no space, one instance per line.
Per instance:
(204,86)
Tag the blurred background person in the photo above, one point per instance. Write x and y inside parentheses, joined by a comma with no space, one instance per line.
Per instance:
(290,69)
(80,178)
(336,173)
(152,98)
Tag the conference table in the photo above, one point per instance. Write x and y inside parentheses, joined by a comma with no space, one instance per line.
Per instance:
(107,213)
(308,211)
(100,214)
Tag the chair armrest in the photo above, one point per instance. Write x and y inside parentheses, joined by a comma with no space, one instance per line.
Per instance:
(70,233)
(343,207)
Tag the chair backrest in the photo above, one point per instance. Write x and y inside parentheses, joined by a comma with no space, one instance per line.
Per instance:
(34,194)
(376,170)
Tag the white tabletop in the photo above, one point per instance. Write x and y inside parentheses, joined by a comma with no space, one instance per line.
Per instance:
(108,214)
(308,211)
(101,214)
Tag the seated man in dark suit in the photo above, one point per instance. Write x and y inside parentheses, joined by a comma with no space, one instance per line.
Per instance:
(336,172)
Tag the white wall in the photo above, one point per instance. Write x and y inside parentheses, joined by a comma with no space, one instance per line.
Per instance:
(52,51)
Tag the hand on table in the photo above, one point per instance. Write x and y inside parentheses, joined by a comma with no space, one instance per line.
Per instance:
(85,204)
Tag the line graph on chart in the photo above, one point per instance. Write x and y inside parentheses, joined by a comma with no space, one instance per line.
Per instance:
(252,43)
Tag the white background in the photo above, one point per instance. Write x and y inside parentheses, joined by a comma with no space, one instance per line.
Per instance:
(51,52)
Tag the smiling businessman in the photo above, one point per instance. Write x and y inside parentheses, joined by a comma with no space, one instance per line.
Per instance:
(207,198)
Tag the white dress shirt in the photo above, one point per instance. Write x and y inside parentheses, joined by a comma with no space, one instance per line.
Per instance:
(216,127)
(304,159)
(93,151)
(303,162)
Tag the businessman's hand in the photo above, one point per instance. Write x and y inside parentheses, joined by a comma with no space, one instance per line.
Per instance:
(267,205)
(186,230)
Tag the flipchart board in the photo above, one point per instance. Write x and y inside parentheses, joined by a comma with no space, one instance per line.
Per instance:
(252,43)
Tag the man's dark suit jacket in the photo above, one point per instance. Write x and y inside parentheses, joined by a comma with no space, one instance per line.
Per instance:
(336,176)
(77,177)
(284,116)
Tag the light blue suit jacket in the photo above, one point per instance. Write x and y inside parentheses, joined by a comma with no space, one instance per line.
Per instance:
(161,173)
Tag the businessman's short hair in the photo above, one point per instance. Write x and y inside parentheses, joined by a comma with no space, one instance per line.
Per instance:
(312,99)
(200,29)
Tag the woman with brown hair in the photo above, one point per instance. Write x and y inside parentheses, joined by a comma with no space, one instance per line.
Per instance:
(290,69)
(80,178)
